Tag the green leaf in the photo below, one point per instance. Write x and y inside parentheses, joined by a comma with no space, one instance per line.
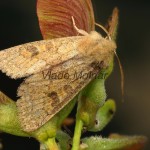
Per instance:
(117,143)
(9,121)
(104,115)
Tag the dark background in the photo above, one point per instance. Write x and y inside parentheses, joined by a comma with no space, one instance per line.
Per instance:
(19,24)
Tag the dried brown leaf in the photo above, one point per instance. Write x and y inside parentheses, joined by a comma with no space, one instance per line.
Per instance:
(55,17)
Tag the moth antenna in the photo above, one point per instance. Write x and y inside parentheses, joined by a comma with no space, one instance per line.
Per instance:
(82,32)
(119,62)
(103,28)
(122,75)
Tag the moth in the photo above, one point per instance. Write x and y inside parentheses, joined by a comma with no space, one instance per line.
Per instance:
(43,92)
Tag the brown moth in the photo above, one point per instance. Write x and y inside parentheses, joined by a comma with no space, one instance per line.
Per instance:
(56,71)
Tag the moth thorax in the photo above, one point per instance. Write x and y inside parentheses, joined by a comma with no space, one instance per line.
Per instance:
(95,35)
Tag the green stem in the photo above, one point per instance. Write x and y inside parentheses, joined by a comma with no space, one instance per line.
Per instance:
(51,144)
(77,134)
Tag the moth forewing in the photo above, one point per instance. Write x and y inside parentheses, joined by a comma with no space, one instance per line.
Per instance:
(44,93)
(27,59)
(24,60)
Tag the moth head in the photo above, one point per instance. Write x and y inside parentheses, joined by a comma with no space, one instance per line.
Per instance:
(100,46)
(106,44)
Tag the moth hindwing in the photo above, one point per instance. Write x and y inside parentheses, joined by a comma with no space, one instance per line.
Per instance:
(56,71)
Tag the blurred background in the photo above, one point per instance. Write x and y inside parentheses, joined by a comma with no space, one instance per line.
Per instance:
(19,24)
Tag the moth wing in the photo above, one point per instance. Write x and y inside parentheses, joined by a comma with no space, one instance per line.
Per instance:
(24,60)
(42,97)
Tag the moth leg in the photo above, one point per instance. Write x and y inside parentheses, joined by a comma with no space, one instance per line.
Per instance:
(77,29)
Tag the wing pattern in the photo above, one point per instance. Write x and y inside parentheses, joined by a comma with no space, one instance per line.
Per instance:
(24,60)
(43,94)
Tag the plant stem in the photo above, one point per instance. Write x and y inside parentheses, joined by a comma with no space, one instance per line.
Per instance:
(51,144)
(77,134)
